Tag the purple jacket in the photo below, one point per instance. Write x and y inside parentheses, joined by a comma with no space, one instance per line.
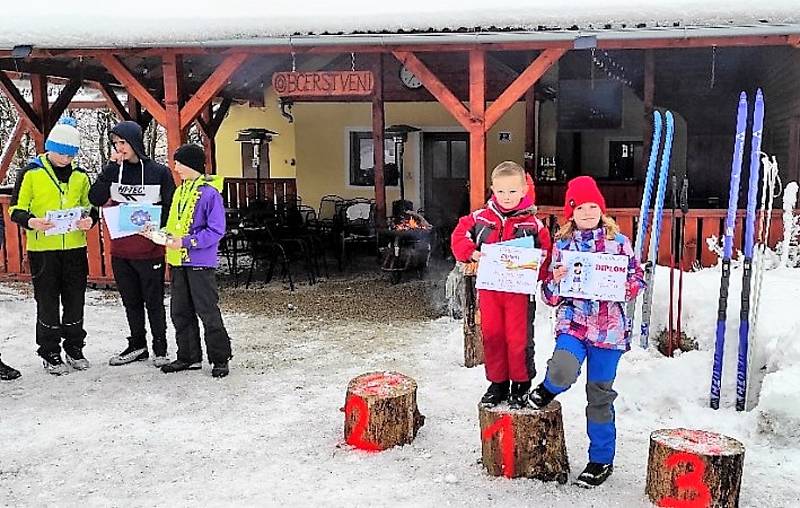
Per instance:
(203,201)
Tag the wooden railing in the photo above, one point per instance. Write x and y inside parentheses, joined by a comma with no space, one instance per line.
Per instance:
(240,192)
(700,224)
(14,258)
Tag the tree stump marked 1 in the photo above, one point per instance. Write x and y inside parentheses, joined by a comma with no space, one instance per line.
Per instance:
(473,338)
(694,469)
(524,442)
(381,411)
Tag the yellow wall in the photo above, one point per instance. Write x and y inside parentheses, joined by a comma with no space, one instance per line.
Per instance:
(322,144)
(282,148)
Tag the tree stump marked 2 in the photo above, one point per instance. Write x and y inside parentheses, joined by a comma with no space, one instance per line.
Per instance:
(381,411)
(694,469)
(524,442)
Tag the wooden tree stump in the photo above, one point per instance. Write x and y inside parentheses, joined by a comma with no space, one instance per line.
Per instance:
(694,468)
(473,338)
(524,442)
(381,411)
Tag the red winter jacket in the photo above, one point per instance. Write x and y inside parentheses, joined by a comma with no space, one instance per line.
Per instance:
(490,225)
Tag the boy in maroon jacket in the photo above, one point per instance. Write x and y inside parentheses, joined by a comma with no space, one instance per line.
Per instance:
(138,263)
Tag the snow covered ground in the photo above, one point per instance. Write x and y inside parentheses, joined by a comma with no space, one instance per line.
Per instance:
(271,433)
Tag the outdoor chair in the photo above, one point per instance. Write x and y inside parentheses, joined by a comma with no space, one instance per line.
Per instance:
(356,226)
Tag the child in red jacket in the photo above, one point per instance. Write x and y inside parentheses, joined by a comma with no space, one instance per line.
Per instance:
(506,318)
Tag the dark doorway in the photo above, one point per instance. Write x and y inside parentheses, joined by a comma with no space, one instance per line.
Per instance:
(446,178)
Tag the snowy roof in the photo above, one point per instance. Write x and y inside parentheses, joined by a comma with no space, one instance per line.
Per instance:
(156,23)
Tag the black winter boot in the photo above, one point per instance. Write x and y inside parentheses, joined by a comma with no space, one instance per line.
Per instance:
(541,396)
(8,373)
(519,394)
(180,365)
(594,474)
(220,369)
(497,393)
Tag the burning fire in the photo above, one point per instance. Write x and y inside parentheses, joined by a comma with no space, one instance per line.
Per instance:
(412,221)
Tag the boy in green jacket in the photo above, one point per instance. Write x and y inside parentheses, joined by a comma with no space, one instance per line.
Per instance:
(51,182)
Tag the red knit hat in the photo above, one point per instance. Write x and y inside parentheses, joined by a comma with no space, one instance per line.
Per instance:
(580,190)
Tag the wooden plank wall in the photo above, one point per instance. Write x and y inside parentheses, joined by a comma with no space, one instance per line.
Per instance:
(779,79)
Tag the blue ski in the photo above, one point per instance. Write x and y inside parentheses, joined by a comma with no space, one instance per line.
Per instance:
(647,300)
(644,211)
(727,249)
(749,238)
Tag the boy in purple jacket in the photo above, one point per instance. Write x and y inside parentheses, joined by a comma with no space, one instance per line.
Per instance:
(195,227)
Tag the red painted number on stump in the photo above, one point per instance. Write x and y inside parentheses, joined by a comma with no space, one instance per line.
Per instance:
(505,428)
(356,437)
(692,480)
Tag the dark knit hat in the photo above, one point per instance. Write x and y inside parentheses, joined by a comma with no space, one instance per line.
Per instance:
(580,190)
(192,156)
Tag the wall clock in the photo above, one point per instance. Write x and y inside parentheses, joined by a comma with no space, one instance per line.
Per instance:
(408,79)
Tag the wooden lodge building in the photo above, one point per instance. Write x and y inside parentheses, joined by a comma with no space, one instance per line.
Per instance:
(566,90)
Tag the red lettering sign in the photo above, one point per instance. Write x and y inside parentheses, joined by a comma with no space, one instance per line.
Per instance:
(692,480)
(504,426)
(323,83)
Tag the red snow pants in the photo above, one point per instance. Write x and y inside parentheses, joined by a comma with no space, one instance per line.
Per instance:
(504,325)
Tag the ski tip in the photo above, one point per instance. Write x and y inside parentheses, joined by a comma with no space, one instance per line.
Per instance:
(759,94)
(668,115)
(743,96)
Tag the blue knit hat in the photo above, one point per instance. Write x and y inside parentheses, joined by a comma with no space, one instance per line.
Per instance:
(64,138)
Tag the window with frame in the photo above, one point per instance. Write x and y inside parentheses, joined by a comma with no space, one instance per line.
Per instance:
(362,170)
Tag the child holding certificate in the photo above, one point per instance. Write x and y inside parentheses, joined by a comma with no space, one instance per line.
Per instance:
(590,330)
(506,318)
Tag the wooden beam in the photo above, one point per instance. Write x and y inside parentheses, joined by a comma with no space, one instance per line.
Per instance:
(477,131)
(648,96)
(531,132)
(133,86)
(209,89)
(626,43)
(438,89)
(219,115)
(22,106)
(172,93)
(378,127)
(11,147)
(63,101)
(41,105)
(209,145)
(524,81)
(113,101)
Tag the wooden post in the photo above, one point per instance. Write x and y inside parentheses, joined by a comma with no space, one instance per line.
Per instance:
(473,337)
(531,130)
(694,468)
(477,131)
(209,146)
(649,95)
(526,442)
(381,411)
(172,93)
(378,127)
(41,105)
